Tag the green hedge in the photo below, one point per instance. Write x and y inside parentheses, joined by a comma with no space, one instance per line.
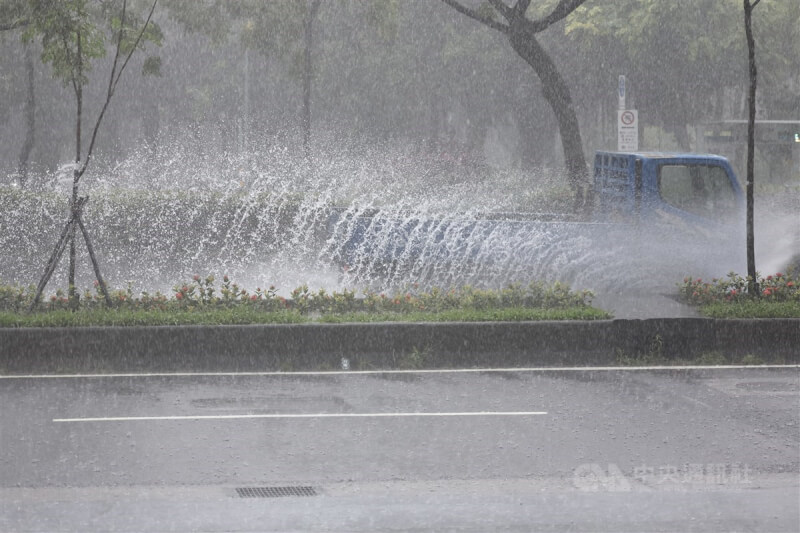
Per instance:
(201,301)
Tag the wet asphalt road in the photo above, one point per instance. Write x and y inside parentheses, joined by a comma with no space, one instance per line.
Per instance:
(559,450)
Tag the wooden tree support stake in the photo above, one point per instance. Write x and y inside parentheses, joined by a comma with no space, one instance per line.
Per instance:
(67,236)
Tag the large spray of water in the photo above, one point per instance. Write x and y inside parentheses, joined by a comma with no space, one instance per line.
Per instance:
(356,216)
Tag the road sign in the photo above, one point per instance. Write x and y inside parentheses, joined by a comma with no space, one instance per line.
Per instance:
(627,130)
(621,91)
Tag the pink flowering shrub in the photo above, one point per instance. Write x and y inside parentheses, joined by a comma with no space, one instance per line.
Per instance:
(201,293)
(778,287)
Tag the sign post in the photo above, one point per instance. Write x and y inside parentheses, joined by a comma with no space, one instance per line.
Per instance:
(627,130)
(627,121)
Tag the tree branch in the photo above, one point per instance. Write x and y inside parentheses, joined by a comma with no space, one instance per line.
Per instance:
(14,25)
(471,13)
(560,12)
(113,84)
(521,7)
(503,9)
(119,45)
(136,44)
(68,53)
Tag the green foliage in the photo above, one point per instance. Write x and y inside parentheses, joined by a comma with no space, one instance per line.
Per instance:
(653,356)
(538,296)
(713,358)
(75,32)
(754,309)
(730,297)
(667,48)
(535,295)
(152,66)
(16,299)
(734,289)
(273,28)
(201,301)
(141,317)
(486,11)
(206,17)
(276,28)
(751,359)
(511,314)
(127,316)
(70,38)
(14,14)
(416,359)
(134,22)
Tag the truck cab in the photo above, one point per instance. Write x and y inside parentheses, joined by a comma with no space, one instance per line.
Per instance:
(699,190)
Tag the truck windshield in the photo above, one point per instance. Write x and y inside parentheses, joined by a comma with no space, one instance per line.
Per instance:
(703,190)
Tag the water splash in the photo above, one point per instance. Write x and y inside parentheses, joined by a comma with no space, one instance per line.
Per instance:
(360,216)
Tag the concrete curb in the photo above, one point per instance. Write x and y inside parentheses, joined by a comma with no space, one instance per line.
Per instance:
(387,345)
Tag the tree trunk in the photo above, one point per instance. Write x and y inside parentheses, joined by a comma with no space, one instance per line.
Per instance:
(751,123)
(311,10)
(681,135)
(76,202)
(73,294)
(556,92)
(30,120)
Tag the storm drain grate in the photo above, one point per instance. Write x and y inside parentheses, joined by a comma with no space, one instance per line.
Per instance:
(274,492)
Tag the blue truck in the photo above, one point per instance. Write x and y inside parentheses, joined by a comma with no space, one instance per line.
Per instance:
(699,189)
(654,214)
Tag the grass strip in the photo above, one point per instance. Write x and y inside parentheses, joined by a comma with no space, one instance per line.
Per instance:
(125,317)
(511,314)
(243,315)
(712,358)
(752,309)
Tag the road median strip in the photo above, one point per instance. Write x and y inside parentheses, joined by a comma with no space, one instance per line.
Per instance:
(294,347)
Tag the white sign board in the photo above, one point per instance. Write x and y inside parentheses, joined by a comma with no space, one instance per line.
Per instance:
(627,130)
(621,92)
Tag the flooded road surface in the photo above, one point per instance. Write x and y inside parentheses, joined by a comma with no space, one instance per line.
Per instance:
(506,449)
